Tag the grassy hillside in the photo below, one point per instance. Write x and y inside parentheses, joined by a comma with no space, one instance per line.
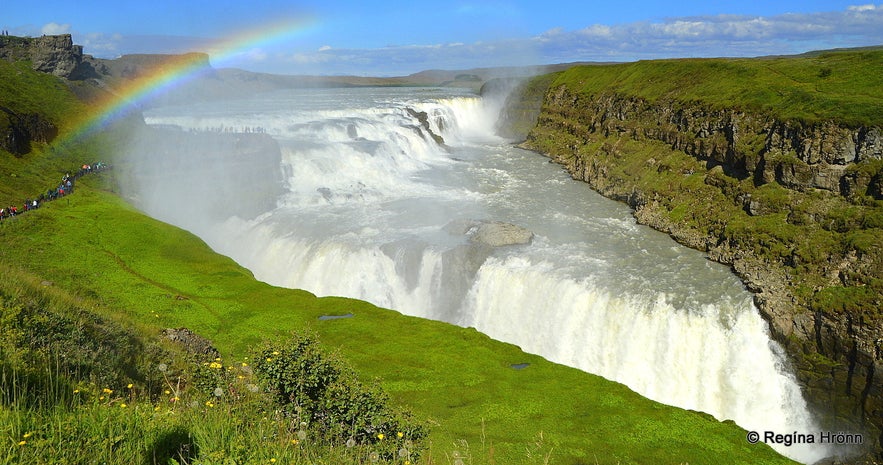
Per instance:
(845,86)
(90,257)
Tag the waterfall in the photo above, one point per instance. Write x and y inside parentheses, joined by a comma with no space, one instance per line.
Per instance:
(375,209)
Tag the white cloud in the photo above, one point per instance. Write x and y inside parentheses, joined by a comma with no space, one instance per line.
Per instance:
(52,29)
(101,45)
(870,7)
(324,48)
(596,30)
(719,35)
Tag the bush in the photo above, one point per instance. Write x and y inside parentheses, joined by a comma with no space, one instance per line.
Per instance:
(321,393)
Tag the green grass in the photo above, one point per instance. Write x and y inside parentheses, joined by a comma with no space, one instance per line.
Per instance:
(845,86)
(25,91)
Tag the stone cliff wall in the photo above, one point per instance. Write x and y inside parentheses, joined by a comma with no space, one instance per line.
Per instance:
(616,143)
(56,55)
(795,155)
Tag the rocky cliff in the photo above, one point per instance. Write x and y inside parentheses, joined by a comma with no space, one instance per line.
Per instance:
(793,206)
(56,55)
(17,131)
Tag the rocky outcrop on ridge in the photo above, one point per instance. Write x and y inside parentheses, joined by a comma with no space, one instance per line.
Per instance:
(53,54)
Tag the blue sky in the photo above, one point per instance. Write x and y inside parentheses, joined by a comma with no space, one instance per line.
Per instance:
(401,37)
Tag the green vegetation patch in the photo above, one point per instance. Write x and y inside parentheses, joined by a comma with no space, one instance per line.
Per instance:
(843,86)
(24,91)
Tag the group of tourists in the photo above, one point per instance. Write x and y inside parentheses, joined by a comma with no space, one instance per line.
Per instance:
(66,187)
(231,129)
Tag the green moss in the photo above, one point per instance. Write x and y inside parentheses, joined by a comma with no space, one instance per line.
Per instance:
(773,198)
(841,299)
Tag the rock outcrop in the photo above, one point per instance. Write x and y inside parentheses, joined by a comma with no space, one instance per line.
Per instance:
(191,342)
(794,154)
(610,141)
(498,234)
(18,131)
(491,233)
(423,118)
(54,54)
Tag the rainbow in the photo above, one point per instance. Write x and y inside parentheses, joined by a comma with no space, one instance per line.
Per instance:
(174,70)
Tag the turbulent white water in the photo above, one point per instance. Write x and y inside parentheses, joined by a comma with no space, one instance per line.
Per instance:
(375,209)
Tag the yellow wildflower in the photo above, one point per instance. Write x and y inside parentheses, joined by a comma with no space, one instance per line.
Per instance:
(107,391)
(123,405)
(215,365)
(130,386)
(269,359)
(27,435)
(400,434)
(76,391)
(380,436)
(21,443)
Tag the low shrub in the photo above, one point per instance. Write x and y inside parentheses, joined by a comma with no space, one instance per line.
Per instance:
(319,392)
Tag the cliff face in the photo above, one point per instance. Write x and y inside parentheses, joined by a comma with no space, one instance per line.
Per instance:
(56,55)
(764,196)
(795,155)
(17,131)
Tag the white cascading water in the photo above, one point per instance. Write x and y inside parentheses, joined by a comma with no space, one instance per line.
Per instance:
(376,210)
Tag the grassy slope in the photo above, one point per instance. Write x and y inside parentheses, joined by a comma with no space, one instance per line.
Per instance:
(147,274)
(844,86)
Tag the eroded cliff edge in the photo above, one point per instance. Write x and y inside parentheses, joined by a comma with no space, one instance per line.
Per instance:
(791,199)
